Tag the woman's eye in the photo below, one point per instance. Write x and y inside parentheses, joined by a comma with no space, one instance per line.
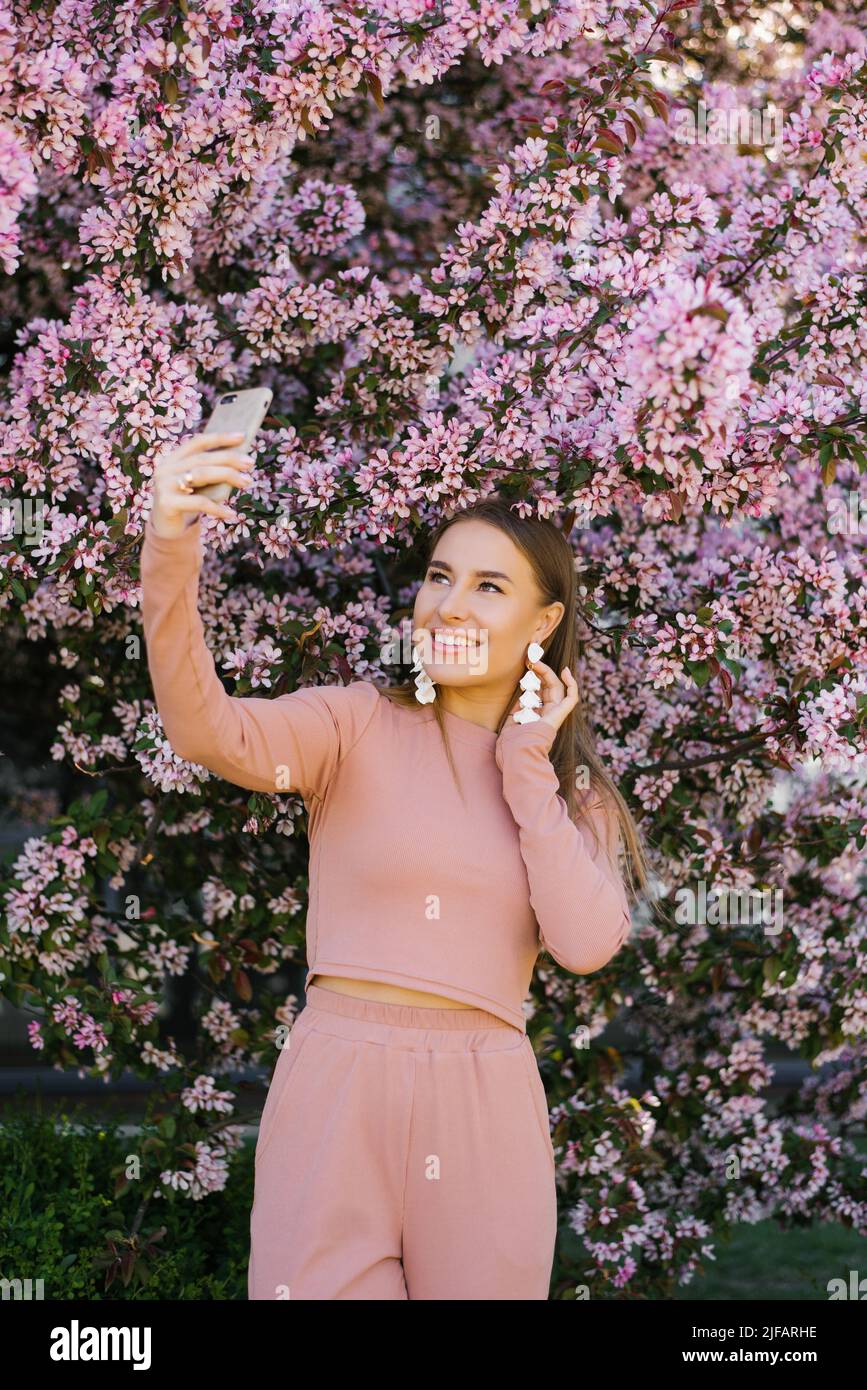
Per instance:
(439,574)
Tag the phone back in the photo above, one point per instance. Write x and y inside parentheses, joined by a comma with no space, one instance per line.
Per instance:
(240,411)
(237,412)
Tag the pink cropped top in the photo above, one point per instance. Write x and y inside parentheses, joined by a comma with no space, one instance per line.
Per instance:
(409,884)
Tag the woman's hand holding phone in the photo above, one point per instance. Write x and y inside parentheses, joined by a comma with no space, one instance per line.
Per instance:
(207,458)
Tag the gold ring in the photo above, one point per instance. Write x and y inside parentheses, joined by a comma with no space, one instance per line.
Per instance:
(186,483)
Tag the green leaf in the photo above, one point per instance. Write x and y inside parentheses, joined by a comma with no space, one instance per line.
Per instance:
(736,667)
(699,670)
(859,456)
(701,970)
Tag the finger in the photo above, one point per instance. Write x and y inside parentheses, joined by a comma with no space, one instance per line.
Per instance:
(205,473)
(550,684)
(209,457)
(541,669)
(202,474)
(572,692)
(206,442)
(571,697)
(553,688)
(190,502)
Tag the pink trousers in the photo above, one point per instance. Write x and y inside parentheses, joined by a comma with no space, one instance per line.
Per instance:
(403,1152)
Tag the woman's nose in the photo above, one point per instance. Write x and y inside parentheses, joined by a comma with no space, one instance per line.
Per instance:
(452,605)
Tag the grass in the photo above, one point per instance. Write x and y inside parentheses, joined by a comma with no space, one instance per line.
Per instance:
(763,1262)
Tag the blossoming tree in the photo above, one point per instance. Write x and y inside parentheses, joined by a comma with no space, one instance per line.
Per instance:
(472,245)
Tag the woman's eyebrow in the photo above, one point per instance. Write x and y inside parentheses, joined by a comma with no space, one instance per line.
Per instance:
(480,574)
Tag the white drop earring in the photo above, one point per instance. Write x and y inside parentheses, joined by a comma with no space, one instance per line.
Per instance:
(530,685)
(424,686)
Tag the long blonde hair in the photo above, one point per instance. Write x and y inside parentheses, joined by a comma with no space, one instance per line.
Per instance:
(553,562)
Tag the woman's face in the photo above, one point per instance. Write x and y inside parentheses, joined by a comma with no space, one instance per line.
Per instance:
(480,589)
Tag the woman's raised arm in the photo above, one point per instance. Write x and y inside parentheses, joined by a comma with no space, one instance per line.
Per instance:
(291,743)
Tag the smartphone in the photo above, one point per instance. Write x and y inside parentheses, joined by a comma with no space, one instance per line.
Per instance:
(236,412)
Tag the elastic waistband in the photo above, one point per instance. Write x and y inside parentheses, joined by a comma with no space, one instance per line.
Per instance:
(401,1015)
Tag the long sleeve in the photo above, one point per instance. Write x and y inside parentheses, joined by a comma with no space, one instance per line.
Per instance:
(577,895)
(292,742)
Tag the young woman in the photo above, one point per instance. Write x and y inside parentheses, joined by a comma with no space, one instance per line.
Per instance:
(404,1149)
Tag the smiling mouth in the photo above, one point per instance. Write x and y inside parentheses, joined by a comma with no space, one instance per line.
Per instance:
(454,644)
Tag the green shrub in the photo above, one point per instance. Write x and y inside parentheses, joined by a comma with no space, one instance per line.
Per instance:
(57,1212)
